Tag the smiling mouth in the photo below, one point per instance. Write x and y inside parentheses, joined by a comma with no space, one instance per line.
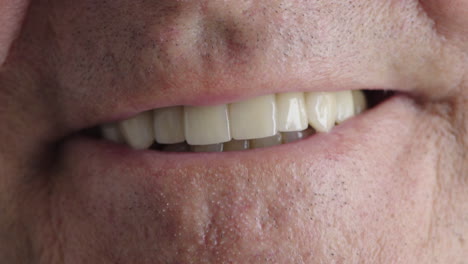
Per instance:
(258,122)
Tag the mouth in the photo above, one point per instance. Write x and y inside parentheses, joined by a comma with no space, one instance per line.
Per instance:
(258,122)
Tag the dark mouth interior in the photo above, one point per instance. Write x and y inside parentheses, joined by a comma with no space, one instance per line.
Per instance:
(374,98)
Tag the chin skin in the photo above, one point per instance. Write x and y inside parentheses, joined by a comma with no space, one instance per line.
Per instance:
(389,186)
(349,205)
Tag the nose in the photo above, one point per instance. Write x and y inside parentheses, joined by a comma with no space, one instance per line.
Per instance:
(213,34)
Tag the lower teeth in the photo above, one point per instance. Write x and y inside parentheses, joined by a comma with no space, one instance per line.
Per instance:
(238,145)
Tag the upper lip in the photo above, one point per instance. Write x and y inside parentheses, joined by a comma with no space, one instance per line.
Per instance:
(113,80)
(114,101)
(135,103)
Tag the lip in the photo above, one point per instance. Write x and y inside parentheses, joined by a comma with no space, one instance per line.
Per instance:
(344,141)
(122,113)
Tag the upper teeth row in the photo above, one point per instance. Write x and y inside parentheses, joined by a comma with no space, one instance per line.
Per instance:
(259,117)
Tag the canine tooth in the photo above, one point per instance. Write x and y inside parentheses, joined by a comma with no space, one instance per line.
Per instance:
(253,118)
(289,137)
(236,145)
(291,112)
(321,110)
(360,103)
(112,132)
(180,147)
(138,130)
(266,142)
(344,106)
(169,125)
(207,148)
(206,125)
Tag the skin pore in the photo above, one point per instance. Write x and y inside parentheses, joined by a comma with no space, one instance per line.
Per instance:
(389,186)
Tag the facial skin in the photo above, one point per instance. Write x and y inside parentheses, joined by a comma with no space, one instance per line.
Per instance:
(389,186)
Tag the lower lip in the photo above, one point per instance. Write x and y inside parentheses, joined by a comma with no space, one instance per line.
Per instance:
(342,142)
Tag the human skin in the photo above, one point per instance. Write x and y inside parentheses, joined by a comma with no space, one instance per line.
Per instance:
(389,186)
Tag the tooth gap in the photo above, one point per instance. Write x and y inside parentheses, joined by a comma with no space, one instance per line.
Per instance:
(156,147)
(175,148)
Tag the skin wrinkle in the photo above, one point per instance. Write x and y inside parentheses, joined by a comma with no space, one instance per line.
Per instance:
(449,19)
(455,175)
(456,10)
(380,206)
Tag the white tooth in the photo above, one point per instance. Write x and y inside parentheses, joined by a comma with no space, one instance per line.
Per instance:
(289,137)
(360,103)
(206,125)
(344,106)
(138,130)
(169,125)
(236,145)
(207,148)
(321,110)
(291,112)
(266,142)
(111,132)
(253,118)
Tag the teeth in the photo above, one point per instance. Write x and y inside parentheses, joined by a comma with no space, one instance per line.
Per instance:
(266,142)
(138,130)
(206,125)
(289,137)
(111,132)
(321,110)
(291,112)
(259,122)
(344,106)
(360,103)
(169,125)
(254,118)
(207,148)
(236,145)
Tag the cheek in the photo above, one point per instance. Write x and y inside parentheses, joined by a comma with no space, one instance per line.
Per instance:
(450,16)
(11,16)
